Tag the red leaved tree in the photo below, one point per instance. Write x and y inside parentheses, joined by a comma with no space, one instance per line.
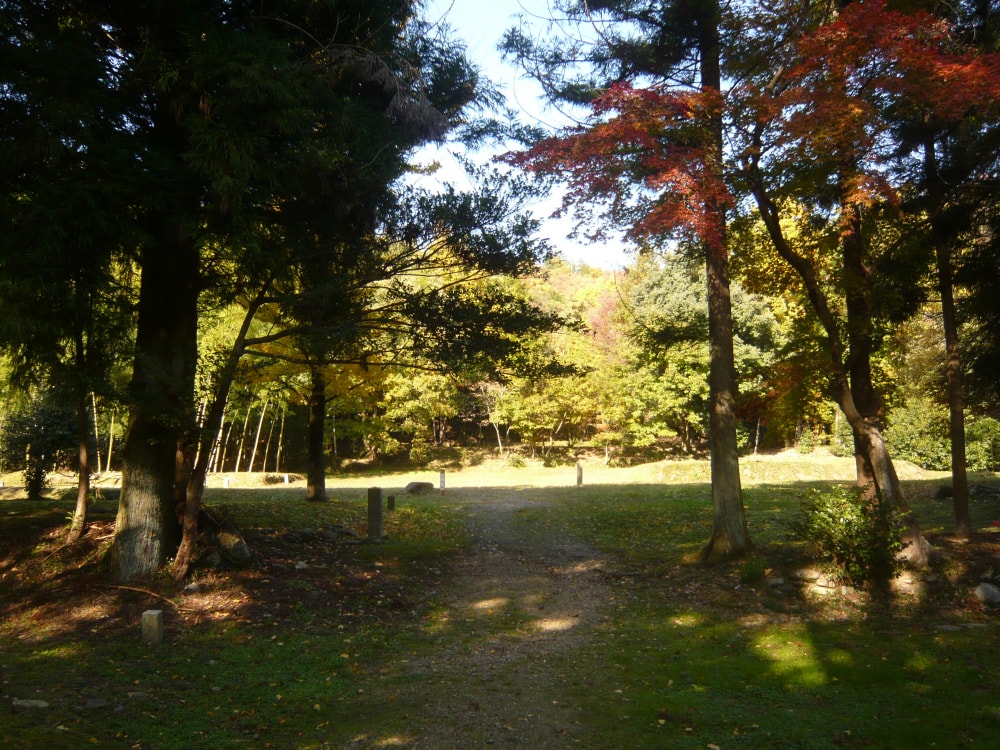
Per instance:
(843,125)
(650,160)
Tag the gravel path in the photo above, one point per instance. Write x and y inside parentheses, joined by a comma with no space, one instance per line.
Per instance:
(526,605)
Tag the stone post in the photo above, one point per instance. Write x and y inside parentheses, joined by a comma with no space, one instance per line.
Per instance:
(152,626)
(579,474)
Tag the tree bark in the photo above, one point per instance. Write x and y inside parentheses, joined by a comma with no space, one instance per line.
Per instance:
(873,460)
(953,364)
(730,534)
(147,529)
(79,522)
(316,474)
(211,427)
(256,438)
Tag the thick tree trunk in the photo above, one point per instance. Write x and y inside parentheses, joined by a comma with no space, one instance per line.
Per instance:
(83,472)
(730,535)
(316,474)
(147,529)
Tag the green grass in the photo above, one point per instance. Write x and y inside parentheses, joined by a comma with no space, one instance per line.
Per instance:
(687,657)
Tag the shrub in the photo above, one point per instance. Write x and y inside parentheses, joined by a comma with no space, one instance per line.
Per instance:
(982,445)
(918,433)
(515,460)
(842,439)
(859,536)
(752,571)
(40,437)
(807,441)
(420,452)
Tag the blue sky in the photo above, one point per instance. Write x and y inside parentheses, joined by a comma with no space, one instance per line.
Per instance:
(480,24)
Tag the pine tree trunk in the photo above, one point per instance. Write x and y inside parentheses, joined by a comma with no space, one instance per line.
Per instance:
(953,365)
(730,534)
(79,522)
(147,529)
(316,474)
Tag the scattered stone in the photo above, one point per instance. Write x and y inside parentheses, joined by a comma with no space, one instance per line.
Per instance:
(418,488)
(336,534)
(30,703)
(988,594)
(805,574)
(211,559)
(824,582)
(775,582)
(192,588)
(233,547)
(948,628)
(139,695)
(92,704)
(301,565)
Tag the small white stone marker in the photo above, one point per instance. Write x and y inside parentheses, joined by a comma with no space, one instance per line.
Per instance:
(152,626)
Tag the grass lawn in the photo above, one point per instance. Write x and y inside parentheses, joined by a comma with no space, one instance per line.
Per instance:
(336,645)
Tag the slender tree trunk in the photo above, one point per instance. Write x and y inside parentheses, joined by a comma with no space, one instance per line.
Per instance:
(243,437)
(256,438)
(316,475)
(281,442)
(214,415)
(97,434)
(953,365)
(872,457)
(213,458)
(79,522)
(730,534)
(220,464)
(111,440)
(267,443)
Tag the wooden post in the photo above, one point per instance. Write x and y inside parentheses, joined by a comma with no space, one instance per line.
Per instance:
(152,626)
(390,502)
(375,513)
(579,474)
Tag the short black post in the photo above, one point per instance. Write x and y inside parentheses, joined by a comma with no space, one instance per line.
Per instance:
(375,513)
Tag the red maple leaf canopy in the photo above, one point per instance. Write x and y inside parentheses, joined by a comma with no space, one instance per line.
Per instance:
(869,68)
(645,163)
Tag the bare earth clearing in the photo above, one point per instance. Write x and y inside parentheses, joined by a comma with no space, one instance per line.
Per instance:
(501,688)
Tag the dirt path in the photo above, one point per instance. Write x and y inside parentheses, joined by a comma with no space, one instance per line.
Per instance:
(526,603)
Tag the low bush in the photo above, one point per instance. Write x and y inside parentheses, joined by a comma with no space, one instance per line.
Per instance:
(858,535)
